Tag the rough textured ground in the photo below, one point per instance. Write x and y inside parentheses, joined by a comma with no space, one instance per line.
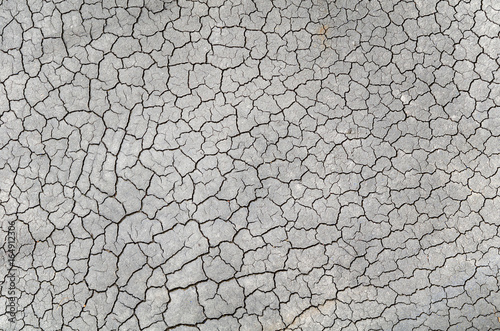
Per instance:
(248,165)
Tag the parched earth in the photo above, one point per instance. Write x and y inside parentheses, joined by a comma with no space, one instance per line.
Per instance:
(250,165)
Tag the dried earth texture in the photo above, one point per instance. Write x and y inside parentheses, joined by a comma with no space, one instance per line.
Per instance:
(251,165)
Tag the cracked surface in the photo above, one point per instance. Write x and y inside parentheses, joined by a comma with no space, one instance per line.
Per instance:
(248,165)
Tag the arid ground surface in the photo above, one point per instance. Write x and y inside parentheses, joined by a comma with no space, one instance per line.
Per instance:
(250,165)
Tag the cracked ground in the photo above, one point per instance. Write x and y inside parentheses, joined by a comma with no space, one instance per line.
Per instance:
(251,165)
